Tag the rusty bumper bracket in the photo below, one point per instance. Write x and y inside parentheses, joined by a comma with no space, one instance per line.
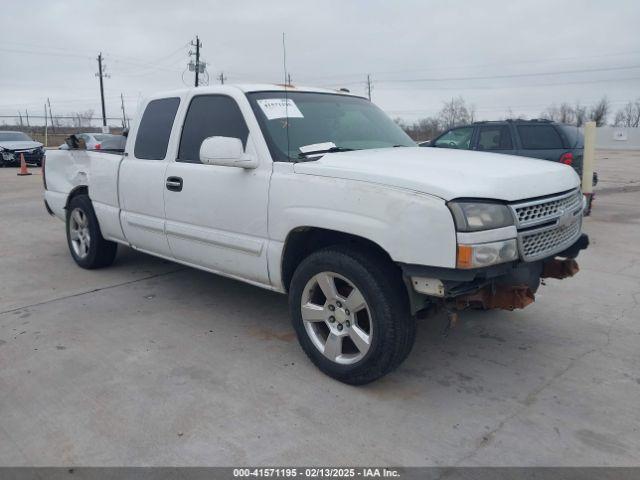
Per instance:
(497,296)
(560,268)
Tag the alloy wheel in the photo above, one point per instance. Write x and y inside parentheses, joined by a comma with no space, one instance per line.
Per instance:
(337,318)
(79,232)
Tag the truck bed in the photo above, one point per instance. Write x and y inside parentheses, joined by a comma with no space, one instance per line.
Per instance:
(91,170)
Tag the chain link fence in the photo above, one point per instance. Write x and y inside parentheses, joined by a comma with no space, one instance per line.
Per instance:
(56,129)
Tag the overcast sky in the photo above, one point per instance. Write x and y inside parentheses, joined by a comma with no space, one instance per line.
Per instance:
(498,55)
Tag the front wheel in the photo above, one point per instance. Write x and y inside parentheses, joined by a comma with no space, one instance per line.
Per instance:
(350,313)
(87,246)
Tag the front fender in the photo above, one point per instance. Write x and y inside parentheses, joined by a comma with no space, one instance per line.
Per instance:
(410,226)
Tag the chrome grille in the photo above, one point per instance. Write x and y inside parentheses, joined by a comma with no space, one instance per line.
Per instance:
(538,211)
(548,226)
(541,244)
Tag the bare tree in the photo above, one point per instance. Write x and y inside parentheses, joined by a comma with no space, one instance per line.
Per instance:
(509,114)
(599,112)
(629,115)
(85,118)
(424,129)
(455,112)
(580,113)
(619,120)
(566,114)
(551,113)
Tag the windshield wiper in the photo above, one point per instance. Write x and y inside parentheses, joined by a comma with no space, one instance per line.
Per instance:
(306,155)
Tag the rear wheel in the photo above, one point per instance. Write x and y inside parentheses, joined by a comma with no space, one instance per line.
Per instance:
(350,312)
(87,246)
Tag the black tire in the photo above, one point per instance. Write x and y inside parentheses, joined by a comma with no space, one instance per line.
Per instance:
(101,252)
(381,285)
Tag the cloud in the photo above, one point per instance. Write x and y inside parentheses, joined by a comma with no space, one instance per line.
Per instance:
(329,42)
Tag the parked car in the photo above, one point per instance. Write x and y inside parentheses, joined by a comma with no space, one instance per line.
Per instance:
(542,139)
(302,191)
(99,141)
(12,144)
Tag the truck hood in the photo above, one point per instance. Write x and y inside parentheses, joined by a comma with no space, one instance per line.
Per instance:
(447,173)
(20,145)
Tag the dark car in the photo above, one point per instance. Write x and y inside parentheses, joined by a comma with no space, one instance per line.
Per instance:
(542,139)
(13,144)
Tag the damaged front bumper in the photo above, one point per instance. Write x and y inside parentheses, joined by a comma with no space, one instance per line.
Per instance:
(505,286)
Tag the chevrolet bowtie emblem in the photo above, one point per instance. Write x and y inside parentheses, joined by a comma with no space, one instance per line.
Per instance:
(565,218)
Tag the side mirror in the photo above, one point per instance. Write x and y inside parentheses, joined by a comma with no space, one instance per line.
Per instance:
(227,152)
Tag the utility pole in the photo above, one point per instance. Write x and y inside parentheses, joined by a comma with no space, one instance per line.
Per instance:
(53,128)
(26,112)
(124,115)
(20,115)
(288,79)
(222,78)
(369,86)
(101,75)
(197,44)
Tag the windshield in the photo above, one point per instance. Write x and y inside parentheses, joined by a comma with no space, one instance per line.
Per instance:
(337,122)
(14,137)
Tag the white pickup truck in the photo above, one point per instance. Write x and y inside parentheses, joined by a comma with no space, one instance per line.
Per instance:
(318,194)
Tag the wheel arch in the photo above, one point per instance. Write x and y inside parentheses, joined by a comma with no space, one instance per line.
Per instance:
(78,190)
(302,241)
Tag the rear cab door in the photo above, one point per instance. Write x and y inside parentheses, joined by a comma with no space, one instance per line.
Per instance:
(141,179)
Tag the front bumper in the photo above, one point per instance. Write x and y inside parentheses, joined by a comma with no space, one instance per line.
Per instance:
(12,157)
(450,284)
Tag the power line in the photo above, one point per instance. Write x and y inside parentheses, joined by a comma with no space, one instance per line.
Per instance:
(150,67)
(498,77)
(514,75)
(501,64)
(503,87)
(44,53)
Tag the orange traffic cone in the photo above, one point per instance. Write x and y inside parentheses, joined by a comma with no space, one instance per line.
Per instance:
(23,166)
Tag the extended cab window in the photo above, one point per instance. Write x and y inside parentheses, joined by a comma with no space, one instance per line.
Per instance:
(210,116)
(539,137)
(155,128)
(455,138)
(495,137)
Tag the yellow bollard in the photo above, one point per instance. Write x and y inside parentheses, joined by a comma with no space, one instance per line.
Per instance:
(588,160)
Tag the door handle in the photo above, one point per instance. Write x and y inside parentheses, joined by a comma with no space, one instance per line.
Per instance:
(174,184)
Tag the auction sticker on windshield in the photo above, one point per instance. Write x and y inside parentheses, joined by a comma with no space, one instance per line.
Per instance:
(279,108)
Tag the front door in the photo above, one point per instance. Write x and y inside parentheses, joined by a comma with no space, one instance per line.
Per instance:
(142,179)
(216,216)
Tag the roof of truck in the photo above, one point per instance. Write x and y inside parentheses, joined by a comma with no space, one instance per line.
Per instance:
(255,87)
(270,87)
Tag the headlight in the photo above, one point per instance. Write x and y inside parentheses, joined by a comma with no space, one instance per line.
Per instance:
(485,254)
(475,216)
